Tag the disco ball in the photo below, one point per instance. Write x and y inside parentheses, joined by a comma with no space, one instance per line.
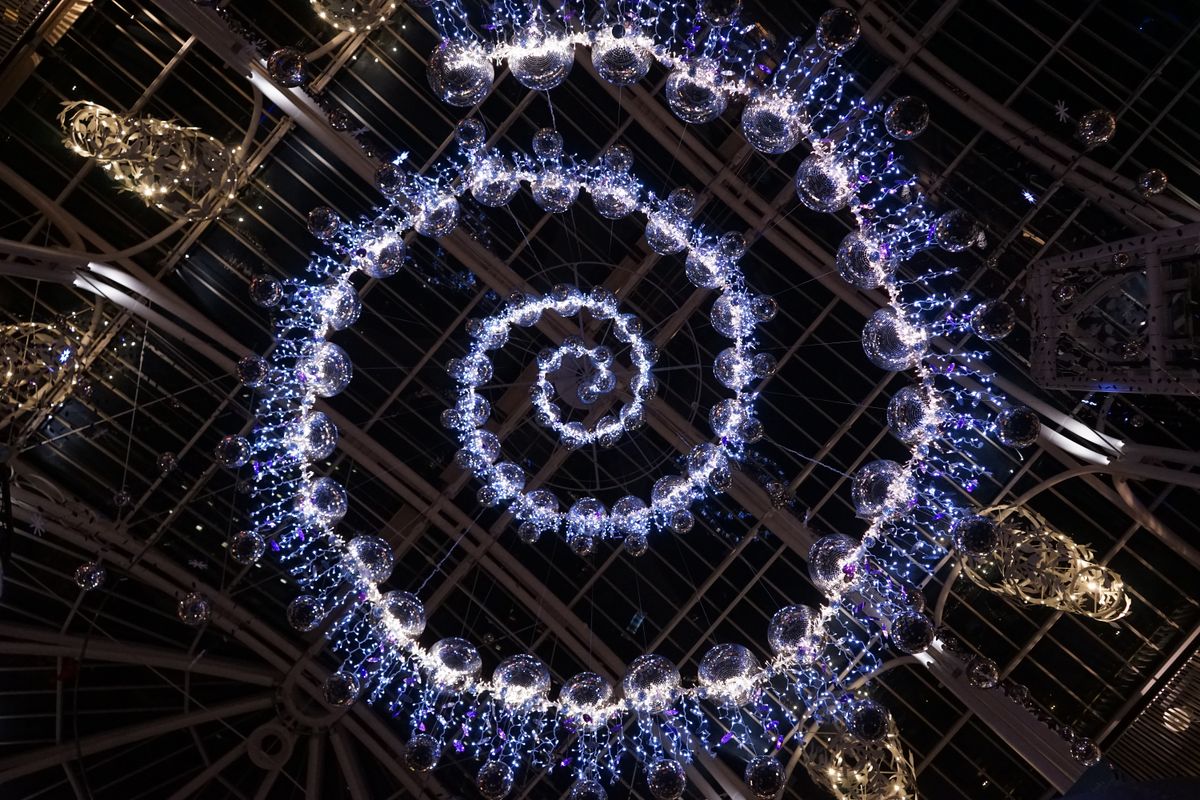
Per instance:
(324,500)
(252,370)
(522,680)
(287,67)
(460,74)
(636,544)
(403,614)
(893,343)
(315,436)
(727,672)
(305,613)
(864,262)
(193,609)
(587,789)
(666,779)
(694,92)
(167,463)
(868,720)
(828,559)
(585,695)
(906,118)
(324,368)
(837,30)
(541,60)
(341,689)
(880,489)
(90,575)
(667,226)
(957,230)
(1095,128)
(494,180)
(266,291)
(719,13)
(911,417)
(982,672)
(1152,181)
(765,777)
(771,123)
(324,223)
(456,663)
(992,320)
(1018,426)
(246,547)
(437,216)
(620,58)
(232,451)
(912,632)
(823,183)
(975,534)
(1085,752)
(795,633)
(554,190)
(494,780)
(422,753)
(337,304)
(651,683)
(372,557)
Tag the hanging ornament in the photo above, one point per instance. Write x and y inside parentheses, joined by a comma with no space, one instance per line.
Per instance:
(823,183)
(1095,128)
(246,547)
(728,673)
(772,123)
(837,30)
(422,753)
(831,562)
(340,689)
(193,609)
(1018,426)
(911,632)
(621,56)
(287,67)
(992,320)
(90,576)
(460,74)
(765,777)
(694,91)
(666,779)
(540,59)
(868,720)
(1152,182)
(906,118)
(305,613)
(494,780)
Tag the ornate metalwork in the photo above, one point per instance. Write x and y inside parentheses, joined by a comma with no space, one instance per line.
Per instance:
(850,768)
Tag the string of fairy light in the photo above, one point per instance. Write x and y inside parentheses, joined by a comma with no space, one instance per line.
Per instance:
(794,93)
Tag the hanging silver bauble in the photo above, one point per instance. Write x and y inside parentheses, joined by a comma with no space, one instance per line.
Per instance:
(906,118)
(992,320)
(246,547)
(371,557)
(1095,128)
(727,674)
(651,683)
(975,534)
(868,720)
(694,92)
(90,575)
(494,780)
(837,30)
(1018,426)
(193,609)
(795,633)
(1152,181)
(765,777)
(620,56)
(864,262)
(460,74)
(823,183)
(305,613)
(772,123)
(541,59)
(831,563)
(911,632)
(402,614)
(666,779)
(341,689)
(422,753)
(287,67)
(892,342)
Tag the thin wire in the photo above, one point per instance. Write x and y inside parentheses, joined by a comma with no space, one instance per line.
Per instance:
(137,388)
(809,458)
(438,567)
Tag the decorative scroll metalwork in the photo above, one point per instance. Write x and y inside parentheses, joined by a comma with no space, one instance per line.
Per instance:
(179,170)
(1037,564)
(34,355)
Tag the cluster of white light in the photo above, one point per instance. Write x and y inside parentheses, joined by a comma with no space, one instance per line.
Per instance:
(855,170)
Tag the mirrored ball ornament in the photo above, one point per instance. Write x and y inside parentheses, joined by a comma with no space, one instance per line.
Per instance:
(371,557)
(470,134)
(337,304)
(911,632)
(906,118)
(727,674)
(828,561)
(765,777)
(193,609)
(772,124)
(837,30)
(584,695)
(651,683)
(252,370)
(246,547)
(324,501)
(666,779)
(1152,181)
(719,13)
(864,262)
(880,489)
(623,59)
(982,672)
(1096,127)
(341,689)
(167,463)
(402,613)
(521,680)
(456,663)
(287,67)
(324,368)
(494,780)
(795,633)
(460,73)
(541,59)
(868,720)
(315,436)
(232,451)
(587,789)
(892,342)
(422,753)
(1085,752)
(975,534)
(305,613)
(266,291)
(912,416)
(694,92)
(957,230)
(89,576)
(823,183)
(1018,426)
(992,320)
(324,223)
